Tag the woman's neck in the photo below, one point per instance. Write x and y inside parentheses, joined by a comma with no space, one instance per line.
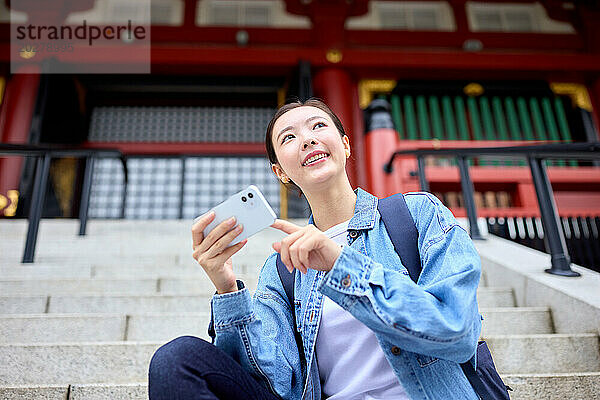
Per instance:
(332,205)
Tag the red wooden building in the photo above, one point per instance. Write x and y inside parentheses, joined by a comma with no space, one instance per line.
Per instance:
(455,73)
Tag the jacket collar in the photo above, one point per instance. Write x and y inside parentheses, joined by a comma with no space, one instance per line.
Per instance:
(364,211)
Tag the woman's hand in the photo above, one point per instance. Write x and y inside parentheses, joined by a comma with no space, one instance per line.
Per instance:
(212,254)
(305,247)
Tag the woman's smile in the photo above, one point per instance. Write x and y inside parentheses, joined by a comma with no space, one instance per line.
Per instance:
(320,159)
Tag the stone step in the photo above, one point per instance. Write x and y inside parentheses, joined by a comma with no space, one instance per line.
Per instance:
(492,297)
(28,392)
(131,391)
(581,385)
(516,321)
(48,328)
(53,328)
(199,285)
(545,353)
(86,267)
(250,262)
(124,362)
(45,271)
(127,304)
(102,304)
(91,391)
(63,363)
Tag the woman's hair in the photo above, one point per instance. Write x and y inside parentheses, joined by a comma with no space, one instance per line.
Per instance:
(312,102)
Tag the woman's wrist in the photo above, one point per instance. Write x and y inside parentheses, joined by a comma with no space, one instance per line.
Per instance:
(230,289)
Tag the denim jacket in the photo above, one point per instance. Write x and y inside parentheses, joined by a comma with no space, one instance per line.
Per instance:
(425,330)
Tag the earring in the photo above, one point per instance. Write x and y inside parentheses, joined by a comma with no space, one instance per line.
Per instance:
(285,180)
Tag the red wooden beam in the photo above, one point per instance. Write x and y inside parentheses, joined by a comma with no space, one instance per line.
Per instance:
(392,60)
(180,148)
(534,42)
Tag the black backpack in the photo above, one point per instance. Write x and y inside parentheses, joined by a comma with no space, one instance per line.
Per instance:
(404,235)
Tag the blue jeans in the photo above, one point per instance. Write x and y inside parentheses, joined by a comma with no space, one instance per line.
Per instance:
(192,368)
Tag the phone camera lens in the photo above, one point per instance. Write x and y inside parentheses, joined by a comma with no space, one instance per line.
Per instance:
(250,195)
(244,199)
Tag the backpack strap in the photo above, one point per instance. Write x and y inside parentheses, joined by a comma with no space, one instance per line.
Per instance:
(287,279)
(402,231)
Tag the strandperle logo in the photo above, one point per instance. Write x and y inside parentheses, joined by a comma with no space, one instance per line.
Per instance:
(84,31)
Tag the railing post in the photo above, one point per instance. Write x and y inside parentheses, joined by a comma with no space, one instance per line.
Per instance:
(84,205)
(36,207)
(553,234)
(125,180)
(467,189)
(421,172)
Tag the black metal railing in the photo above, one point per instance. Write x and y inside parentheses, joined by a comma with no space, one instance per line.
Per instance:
(535,155)
(43,156)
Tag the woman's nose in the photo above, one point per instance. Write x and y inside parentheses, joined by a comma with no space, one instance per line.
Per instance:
(312,141)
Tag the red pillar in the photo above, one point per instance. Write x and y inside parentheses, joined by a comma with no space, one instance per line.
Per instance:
(335,87)
(15,121)
(358,135)
(380,144)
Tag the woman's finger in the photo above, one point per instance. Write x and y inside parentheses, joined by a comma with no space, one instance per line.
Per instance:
(285,226)
(230,251)
(215,234)
(285,248)
(295,254)
(199,225)
(303,254)
(220,245)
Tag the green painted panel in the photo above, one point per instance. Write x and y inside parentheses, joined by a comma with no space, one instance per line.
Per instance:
(488,124)
(549,119)
(461,118)
(486,116)
(513,119)
(550,124)
(411,122)
(563,125)
(475,120)
(449,122)
(524,118)
(499,118)
(538,122)
(423,118)
(436,118)
(397,115)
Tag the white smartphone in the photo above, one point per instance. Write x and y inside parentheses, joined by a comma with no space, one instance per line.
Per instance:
(249,207)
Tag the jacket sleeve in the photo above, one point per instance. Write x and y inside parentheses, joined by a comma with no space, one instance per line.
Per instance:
(257,332)
(438,316)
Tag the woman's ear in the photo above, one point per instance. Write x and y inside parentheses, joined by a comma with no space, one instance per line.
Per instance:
(346,143)
(280,174)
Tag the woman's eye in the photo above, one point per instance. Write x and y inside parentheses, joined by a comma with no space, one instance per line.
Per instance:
(289,134)
(318,123)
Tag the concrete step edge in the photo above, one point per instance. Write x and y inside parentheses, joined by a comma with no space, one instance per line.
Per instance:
(106,315)
(544,336)
(552,375)
(514,309)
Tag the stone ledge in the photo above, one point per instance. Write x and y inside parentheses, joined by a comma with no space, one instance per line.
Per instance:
(574,302)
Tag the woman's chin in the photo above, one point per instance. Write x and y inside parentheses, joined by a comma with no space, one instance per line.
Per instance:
(320,179)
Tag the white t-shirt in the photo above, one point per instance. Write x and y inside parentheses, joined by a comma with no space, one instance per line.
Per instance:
(351,363)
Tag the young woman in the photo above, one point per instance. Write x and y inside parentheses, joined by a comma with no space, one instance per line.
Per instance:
(368,331)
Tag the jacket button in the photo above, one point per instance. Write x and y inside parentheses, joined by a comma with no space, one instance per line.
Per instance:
(396,350)
(346,281)
(353,234)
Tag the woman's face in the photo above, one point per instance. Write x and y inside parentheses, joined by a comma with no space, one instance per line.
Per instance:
(299,133)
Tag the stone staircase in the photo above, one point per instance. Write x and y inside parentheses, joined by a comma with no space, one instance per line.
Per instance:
(85,319)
